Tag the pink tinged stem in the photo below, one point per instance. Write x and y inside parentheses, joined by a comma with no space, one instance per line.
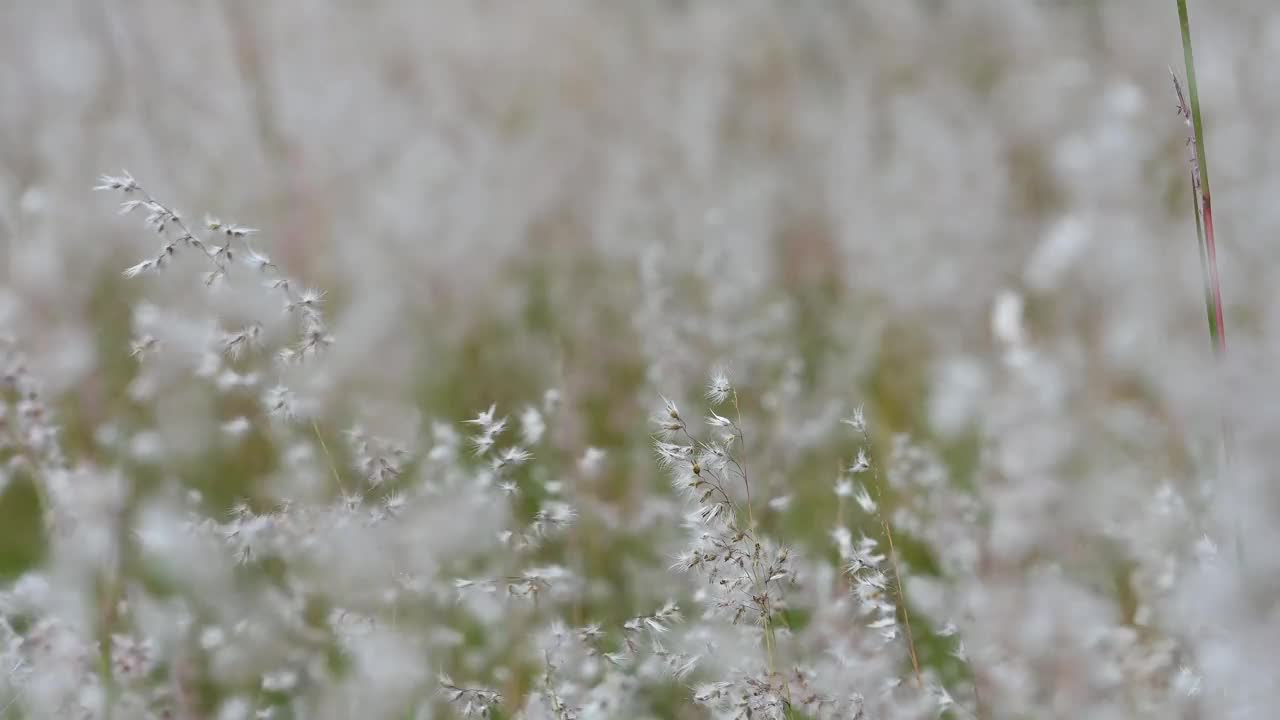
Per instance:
(1214,286)
(1217,330)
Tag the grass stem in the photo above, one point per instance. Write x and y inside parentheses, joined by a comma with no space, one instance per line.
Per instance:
(1200,185)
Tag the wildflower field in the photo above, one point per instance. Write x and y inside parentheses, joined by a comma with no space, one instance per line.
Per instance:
(664,360)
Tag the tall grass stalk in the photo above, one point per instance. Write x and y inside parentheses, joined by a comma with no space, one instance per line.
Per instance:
(893,562)
(1202,204)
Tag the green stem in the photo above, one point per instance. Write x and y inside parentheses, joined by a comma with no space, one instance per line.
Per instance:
(1204,208)
(1208,251)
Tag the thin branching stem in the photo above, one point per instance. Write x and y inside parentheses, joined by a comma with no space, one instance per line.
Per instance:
(742,439)
(893,562)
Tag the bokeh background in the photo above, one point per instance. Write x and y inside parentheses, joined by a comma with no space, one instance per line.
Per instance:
(893,204)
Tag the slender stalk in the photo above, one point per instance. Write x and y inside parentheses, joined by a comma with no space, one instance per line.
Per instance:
(893,563)
(1204,270)
(1190,112)
(769,637)
(751,521)
(333,467)
(1185,111)
(1200,182)
(902,602)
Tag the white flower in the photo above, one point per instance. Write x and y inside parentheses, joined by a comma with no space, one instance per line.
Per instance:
(257,260)
(864,500)
(237,427)
(1187,682)
(282,681)
(144,266)
(310,297)
(236,343)
(279,402)
(858,422)
(238,231)
(484,419)
(718,421)
(395,502)
(140,347)
(718,387)
(668,421)
(844,487)
(861,463)
(591,461)
(532,425)
(513,455)
(124,182)
(672,411)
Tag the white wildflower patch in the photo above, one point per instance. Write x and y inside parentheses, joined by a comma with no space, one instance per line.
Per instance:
(517,370)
